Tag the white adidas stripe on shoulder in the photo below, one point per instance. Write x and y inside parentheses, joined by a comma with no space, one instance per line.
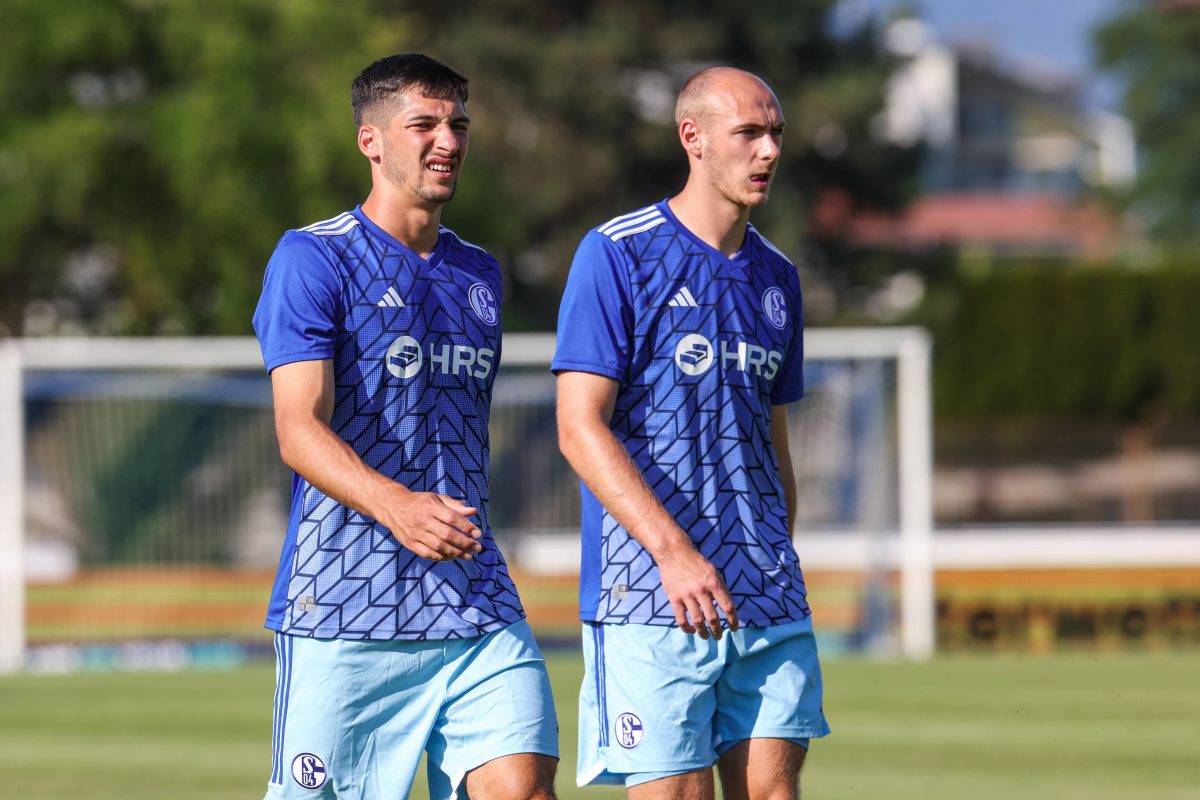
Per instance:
(332,227)
(625,220)
(616,221)
(345,226)
(332,222)
(621,234)
(772,247)
(444,229)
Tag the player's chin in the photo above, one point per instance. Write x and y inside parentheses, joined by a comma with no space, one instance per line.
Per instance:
(438,194)
(757,197)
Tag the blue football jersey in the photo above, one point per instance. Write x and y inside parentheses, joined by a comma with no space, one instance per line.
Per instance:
(415,344)
(702,346)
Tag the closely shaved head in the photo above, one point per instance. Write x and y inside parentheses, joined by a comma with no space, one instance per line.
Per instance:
(707,89)
(731,126)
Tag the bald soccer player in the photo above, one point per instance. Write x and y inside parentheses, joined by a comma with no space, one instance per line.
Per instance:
(680,344)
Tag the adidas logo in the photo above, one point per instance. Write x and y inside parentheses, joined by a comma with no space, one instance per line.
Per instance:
(683,299)
(391,299)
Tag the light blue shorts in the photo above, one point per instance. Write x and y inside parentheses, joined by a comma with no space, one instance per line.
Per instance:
(656,701)
(353,717)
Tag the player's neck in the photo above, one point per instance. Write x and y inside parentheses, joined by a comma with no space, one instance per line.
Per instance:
(414,226)
(711,217)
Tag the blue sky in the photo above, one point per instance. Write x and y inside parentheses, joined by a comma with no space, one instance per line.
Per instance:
(1053,32)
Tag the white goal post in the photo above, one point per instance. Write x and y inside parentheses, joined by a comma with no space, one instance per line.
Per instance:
(904,548)
(911,347)
(12,510)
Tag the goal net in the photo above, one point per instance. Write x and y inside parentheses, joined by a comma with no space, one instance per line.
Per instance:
(142,500)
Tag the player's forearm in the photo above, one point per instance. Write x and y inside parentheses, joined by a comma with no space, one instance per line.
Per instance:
(605,466)
(311,448)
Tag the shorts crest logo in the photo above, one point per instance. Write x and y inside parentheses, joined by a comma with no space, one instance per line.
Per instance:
(309,771)
(483,302)
(628,729)
(774,307)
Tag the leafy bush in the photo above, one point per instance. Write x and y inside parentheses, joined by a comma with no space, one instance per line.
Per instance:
(1085,342)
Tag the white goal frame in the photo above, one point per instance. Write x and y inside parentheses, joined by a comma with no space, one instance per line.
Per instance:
(908,347)
(912,350)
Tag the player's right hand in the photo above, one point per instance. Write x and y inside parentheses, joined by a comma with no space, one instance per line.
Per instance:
(436,527)
(695,590)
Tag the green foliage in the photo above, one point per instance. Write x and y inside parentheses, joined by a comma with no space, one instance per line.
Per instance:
(151,153)
(1084,342)
(1156,52)
(573,118)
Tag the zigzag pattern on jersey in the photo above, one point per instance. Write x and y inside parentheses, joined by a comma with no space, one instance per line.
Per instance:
(702,442)
(351,578)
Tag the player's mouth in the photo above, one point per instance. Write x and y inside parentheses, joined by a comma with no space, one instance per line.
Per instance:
(761,180)
(440,167)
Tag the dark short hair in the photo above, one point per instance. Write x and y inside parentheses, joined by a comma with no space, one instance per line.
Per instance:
(390,76)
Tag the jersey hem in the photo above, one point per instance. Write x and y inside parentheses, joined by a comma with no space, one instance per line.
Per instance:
(567,365)
(302,355)
(492,627)
(787,397)
(599,620)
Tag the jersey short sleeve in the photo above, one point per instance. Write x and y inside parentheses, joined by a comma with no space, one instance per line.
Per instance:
(789,383)
(297,313)
(595,321)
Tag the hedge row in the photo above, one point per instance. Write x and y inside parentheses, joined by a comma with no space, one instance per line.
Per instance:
(1090,342)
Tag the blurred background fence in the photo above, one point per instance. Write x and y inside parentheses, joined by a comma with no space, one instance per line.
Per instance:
(154,502)
(149,504)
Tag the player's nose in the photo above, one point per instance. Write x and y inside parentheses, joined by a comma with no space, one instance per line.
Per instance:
(447,140)
(769,148)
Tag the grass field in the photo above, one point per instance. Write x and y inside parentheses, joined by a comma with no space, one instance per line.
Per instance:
(1049,728)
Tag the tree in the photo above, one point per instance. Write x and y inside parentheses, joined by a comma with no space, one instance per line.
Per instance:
(151,153)
(573,106)
(1154,48)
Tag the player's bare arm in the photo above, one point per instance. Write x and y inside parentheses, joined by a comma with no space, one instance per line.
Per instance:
(783,454)
(431,525)
(692,585)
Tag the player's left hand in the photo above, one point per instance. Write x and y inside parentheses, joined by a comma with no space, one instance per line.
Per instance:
(695,590)
(435,526)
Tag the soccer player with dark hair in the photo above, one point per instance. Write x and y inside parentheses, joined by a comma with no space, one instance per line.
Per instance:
(680,344)
(399,630)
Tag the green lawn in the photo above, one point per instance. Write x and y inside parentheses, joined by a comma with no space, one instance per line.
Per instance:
(1067,727)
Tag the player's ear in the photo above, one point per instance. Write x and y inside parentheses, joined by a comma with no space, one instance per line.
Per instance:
(689,137)
(368,142)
